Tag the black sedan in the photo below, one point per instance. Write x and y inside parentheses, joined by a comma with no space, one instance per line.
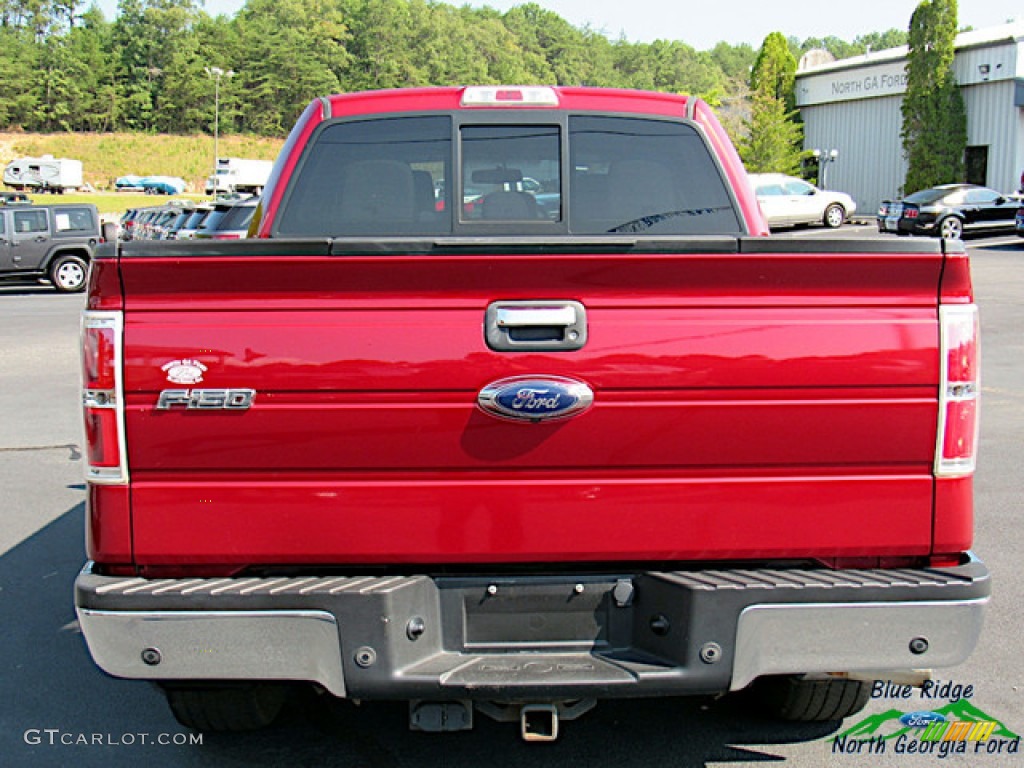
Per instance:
(949,211)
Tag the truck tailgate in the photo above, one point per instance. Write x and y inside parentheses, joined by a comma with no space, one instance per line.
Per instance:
(749,402)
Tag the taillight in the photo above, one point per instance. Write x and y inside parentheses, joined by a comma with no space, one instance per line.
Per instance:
(103,397)
(959,388)
(910,213)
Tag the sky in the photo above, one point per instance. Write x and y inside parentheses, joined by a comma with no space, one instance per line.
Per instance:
(701,24)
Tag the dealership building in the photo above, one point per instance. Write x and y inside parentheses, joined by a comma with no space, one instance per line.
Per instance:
(852,119)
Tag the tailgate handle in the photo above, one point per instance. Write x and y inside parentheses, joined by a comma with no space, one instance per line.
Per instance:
(535,326)
(528,316)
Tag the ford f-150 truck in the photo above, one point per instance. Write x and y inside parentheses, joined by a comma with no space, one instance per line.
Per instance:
(439,435)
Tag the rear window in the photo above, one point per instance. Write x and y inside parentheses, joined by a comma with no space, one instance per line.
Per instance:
(237,217)
(577,175)
(373,177)
(74,220)
(179,221)
(212,219)
(511,173)
(644,176)
(926,196)
(232,217)
(195,218)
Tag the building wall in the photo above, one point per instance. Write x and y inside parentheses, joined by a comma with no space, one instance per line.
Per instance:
(866,132)
(853,106)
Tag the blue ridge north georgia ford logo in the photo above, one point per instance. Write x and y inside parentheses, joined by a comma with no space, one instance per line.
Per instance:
(535,398)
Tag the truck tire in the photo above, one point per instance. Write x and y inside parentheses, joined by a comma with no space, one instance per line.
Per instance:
(834,216)
(219,708)
(69,273)
(794,697)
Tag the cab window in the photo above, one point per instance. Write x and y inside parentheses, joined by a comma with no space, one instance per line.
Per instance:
(373,177)
(511,173)
(635,175)
(73,220)
(30,221)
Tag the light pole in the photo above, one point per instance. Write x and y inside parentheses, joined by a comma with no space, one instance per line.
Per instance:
(216,73)
(824,156)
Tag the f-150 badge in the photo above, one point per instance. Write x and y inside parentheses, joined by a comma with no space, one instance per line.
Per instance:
(206,399)
(535,398)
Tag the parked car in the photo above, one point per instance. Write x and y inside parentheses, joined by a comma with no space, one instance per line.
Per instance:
(48,242)
(788,201)
(228,220)
(949,211)
(144,223)
(136,223)
(187,230)
(1018,223)
(174,225)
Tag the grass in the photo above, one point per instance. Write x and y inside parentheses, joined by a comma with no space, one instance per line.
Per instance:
(113,204)
(105,156)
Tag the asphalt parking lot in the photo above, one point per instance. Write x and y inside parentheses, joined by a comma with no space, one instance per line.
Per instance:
(56,708)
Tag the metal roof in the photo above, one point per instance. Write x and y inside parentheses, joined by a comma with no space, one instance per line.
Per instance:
(1005,34)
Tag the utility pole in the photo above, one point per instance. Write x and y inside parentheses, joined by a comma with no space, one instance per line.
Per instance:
(216,73)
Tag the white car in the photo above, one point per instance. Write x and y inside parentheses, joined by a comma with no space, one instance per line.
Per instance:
(787,201)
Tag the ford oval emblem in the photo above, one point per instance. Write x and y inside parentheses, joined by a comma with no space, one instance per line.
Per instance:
(921,719)
(535,398)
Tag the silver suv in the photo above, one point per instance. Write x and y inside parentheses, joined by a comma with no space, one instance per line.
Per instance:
(48,242)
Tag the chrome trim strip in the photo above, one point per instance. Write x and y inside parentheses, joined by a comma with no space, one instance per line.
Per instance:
(217,645)
(527,316)
(845,637)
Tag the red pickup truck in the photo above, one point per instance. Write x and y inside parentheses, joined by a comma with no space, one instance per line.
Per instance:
(510,405)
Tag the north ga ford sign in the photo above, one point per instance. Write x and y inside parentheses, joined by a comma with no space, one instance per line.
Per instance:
(849,84)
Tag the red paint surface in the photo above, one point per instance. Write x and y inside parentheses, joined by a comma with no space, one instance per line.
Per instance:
(746,405)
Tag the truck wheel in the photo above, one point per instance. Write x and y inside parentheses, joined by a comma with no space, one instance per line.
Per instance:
(951,228)
(834,216)
(794,697)
(69,274)
(217,708)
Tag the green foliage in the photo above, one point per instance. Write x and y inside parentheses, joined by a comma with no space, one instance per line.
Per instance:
(875,41)
(774,72)
(934,128)
(64,67)
(774,136)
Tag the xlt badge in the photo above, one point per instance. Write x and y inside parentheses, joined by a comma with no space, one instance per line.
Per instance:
(535,398)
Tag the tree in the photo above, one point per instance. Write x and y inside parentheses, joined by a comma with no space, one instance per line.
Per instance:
(774,72)
(934,129)
(774,140)
(18,60)
(295,51)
